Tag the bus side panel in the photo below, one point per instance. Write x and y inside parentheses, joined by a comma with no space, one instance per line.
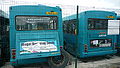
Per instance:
(70,41)
(12,36)
(82,40)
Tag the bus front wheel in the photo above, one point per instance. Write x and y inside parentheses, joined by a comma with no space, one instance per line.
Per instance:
(59,61)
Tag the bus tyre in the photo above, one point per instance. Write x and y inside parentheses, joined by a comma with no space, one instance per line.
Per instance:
(59,61)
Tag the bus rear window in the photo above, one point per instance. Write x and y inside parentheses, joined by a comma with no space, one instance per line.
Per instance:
(36,22)
(97,24)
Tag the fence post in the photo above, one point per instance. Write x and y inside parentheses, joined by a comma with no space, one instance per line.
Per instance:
(77,36)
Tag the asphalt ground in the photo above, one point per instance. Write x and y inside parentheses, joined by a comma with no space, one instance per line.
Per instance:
(109,61)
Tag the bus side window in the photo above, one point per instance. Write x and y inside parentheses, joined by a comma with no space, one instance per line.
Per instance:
(65,30)
(7,28)
(70,26)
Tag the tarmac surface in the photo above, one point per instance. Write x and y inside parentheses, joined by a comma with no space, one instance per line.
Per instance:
(94,62)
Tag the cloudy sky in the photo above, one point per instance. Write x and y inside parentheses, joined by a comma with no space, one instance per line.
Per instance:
(115,4)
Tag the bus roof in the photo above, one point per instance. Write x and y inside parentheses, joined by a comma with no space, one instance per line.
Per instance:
(89,11)
(42,6)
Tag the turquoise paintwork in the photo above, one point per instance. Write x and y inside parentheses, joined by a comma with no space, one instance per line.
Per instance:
(16,37)
(118,38)
(86,35)
(118,16)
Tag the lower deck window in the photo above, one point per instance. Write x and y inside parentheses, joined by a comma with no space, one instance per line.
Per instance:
(100,43)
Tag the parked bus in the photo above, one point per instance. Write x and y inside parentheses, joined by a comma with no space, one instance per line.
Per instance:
(36,35)
(89,36)
(4,39)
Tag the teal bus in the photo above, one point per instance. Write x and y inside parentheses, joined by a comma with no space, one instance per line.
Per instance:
(36,35)
(90,37)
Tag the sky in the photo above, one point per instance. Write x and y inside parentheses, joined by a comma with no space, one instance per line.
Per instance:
(105,3)
(115,4)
